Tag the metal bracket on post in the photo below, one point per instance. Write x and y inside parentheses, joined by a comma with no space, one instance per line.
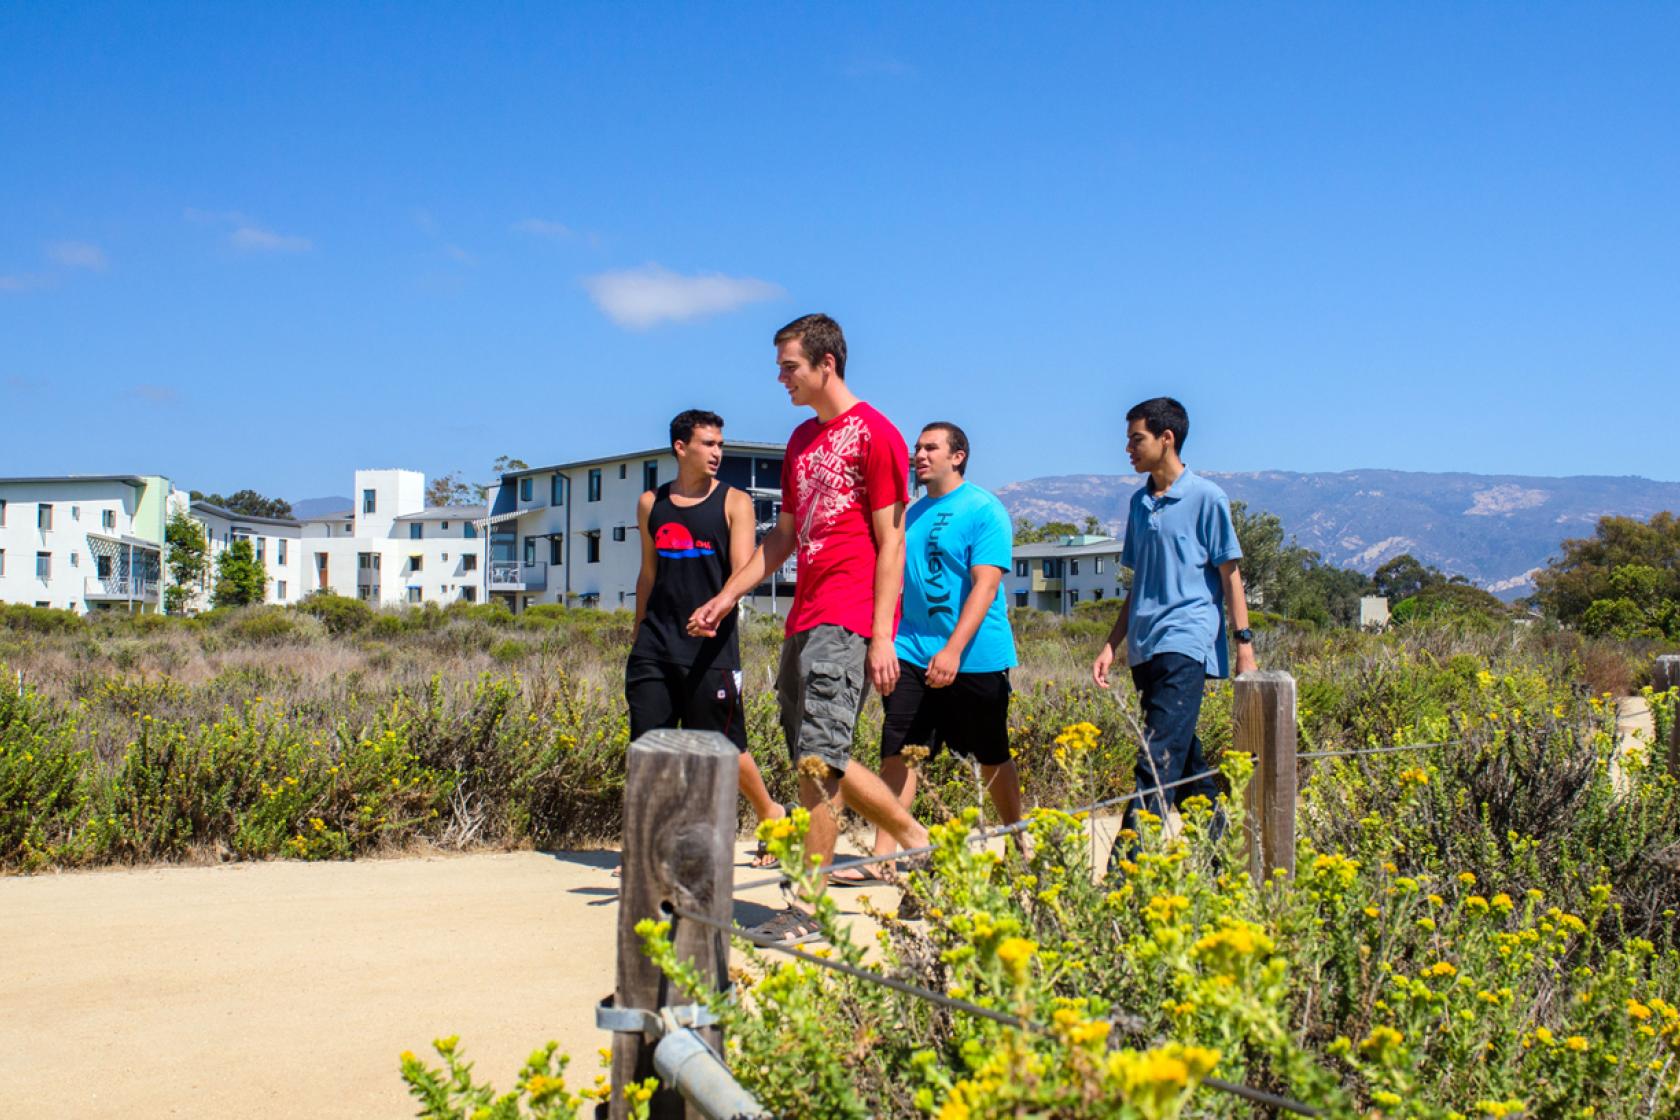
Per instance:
(652,1024)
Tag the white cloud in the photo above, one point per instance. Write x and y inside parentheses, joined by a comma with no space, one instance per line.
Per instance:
(542,227)
(78,254)
(23,281)
(642,297)
(255,239)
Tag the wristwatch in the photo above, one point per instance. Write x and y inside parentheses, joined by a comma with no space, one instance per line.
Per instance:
(1245,636)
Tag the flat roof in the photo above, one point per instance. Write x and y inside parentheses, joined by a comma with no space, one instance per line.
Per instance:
(222,511)
(729,447)
(1053,548)
(446,513)
(130,479)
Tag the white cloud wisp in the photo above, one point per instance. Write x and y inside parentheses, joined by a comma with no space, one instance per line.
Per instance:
(255,239)
(640,298)
(78,254)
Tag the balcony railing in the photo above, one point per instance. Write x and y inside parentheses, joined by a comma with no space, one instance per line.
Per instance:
(508,575)
(122,587)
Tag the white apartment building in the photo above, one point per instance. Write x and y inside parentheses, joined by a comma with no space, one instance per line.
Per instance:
(567,533)
(84,542)
(1057,575)
(389,549)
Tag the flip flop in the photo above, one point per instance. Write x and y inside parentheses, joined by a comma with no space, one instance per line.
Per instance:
(761,857)
(789,927)
(865,876)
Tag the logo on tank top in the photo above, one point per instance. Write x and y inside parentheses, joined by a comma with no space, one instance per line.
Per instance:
(673,540)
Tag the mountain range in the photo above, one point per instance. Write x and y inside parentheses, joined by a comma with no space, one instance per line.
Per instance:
(1497,530)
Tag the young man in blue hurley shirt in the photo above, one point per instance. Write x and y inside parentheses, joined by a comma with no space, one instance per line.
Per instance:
(1182,549)
(954,645)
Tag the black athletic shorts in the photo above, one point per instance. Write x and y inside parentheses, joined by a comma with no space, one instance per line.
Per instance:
(662,694)
(970,715)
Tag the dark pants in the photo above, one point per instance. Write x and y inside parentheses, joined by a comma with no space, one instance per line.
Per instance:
(1170,687)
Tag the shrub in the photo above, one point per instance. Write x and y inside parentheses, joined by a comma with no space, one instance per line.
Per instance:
(340,614)
(39,620)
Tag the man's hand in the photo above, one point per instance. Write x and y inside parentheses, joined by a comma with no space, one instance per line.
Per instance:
(1099,667)
(708,616)
(883,665)
(942,670)
(1245,659)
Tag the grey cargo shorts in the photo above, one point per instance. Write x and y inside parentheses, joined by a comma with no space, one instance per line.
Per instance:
(821,686)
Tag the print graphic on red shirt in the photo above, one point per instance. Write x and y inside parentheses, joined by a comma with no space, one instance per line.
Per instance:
(834,477)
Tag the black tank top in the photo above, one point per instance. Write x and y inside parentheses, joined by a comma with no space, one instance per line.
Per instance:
(691,550)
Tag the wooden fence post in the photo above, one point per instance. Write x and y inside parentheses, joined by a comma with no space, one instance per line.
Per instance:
(1665,674)
(1263,725)
(679,836)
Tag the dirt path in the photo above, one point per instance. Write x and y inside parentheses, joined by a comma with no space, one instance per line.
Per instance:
(289,989)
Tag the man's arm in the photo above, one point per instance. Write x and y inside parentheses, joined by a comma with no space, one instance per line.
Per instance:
(1236,604)
(1116,639)
(887,524)
(770,554)
(984,580)
(738,513)
(650,561)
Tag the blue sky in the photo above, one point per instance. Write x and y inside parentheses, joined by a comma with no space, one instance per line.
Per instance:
(264,245)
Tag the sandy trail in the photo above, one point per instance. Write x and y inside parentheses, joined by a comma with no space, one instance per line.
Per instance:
(289,989)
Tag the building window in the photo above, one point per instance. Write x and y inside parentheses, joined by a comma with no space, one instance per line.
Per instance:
(650,474)
(469,561)
(1096,595)
(530,550)
(554,549)
(414,595)
(1073,567)
(444,528)
(2,561)
(102,566)
(414,531)
(369,502)
(1020,598)
(624,470)
(557,490)
(593,544)
(43,516)
(2,513)
(279,589)
(469,529)
(1073,596)
(415,562)
(525,489)
(1021,568)
(260,550)
(595,484)
(1099,565)
(364,592)
(470,594)
(108,519)
(1049,569)
(280,550)
(75,560)
(618,532)
(362,560)
(43,565)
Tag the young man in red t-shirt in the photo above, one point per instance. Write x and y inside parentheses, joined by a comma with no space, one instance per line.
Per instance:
(844,488)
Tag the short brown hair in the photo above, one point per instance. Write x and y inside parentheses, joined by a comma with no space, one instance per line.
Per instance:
(819,336)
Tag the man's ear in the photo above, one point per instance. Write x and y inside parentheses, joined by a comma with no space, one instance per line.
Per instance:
(828,365)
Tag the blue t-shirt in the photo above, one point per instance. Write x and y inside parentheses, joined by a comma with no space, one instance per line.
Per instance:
(943,539)
(1175,543)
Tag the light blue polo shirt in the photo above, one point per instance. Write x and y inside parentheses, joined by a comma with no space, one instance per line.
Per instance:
(943,539)
(1174,545)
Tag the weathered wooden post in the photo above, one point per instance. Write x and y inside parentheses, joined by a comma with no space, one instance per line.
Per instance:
(1263,725)
(1665,674)
(679,833)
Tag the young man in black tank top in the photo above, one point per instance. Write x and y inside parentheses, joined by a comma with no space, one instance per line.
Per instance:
(695,531)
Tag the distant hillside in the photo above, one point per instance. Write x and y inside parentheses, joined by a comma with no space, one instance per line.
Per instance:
(1495,529)
(316,507)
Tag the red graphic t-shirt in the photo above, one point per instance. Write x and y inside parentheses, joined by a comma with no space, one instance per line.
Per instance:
(834,476)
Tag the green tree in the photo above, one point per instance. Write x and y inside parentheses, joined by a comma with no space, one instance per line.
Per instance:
(502,465)
(187,562)
(1635,607)
(247,502)
(1092,526)
(450,490)
(1586,573)
(1028,533)
(240,580)
(1403,577)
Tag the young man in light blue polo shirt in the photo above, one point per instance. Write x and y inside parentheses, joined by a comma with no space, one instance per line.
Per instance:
(1182,549)
(954,645)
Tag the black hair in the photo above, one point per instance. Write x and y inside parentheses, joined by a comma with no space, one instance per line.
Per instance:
(955,438)
(683,425)
(1163,414)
